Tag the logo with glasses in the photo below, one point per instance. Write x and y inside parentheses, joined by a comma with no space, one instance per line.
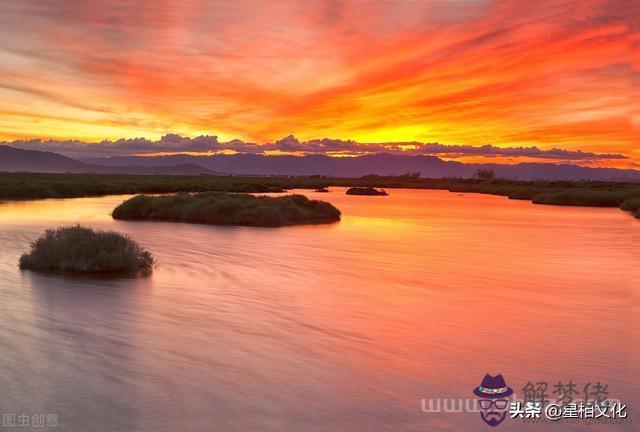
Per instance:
(493,394)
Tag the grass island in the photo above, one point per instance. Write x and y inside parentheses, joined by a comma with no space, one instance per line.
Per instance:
(366,190)
(81,250)
(219,208)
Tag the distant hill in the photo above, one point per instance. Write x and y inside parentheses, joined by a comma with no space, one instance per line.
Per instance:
(13,159)
(181,169)
(381,164)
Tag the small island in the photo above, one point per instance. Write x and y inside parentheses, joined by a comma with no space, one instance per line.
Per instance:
(366,191)
(80,250)
(216,208)
(321,189)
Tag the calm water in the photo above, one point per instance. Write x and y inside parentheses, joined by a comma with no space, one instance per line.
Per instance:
(343,327)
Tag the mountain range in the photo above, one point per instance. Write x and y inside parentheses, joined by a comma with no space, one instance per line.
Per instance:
(14,159)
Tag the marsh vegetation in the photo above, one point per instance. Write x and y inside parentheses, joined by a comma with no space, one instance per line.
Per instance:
(76,249)
(366,190)
(218,208)
(15,186)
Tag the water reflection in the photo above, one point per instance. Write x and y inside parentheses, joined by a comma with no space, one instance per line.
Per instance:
(330,327)
(83,353)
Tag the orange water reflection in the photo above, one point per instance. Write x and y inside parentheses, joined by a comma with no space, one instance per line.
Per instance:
(331,327)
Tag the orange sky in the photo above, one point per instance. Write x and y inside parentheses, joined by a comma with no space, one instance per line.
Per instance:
(549,73)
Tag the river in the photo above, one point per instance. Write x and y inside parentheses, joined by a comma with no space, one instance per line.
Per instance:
(340,327)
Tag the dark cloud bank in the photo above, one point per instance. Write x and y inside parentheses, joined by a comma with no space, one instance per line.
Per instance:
(172,143)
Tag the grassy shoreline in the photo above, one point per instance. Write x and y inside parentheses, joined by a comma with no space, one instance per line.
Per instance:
(21,186)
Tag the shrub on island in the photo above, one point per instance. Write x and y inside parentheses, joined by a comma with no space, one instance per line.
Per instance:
(366,191)
(216,208)
(76,249)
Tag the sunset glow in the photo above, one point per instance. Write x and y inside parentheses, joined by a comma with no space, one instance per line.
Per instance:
(510,73)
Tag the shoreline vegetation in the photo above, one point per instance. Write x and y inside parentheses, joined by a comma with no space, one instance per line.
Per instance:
(79,250)
(20,186)
(221,208)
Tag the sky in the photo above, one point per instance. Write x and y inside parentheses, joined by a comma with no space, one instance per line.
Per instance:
(533,78)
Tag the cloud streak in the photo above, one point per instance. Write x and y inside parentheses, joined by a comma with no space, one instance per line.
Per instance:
(550,74)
